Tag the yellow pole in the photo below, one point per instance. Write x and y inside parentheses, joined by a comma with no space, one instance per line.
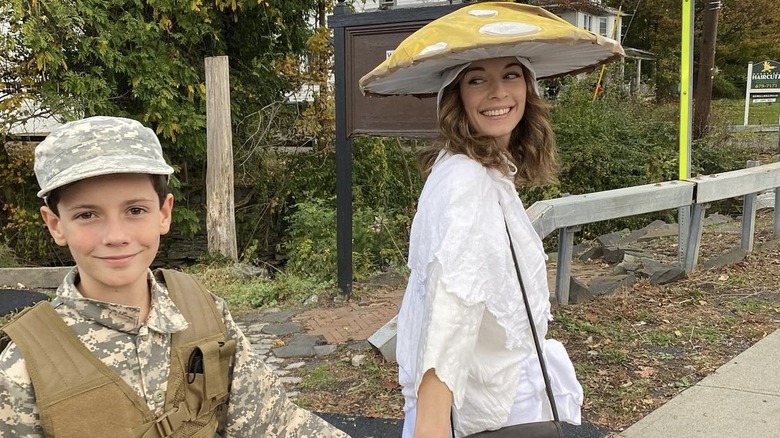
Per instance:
(604,67)
(686,86)
(686,106)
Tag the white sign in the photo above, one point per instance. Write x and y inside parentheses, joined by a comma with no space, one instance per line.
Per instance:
(763,84)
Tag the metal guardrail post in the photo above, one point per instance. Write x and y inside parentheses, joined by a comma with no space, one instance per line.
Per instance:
(749,216)
(694,238)
(684,226)
(777,216)
(563,268)
(777,194)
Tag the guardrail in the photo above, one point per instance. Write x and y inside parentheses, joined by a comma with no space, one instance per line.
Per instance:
(568,213)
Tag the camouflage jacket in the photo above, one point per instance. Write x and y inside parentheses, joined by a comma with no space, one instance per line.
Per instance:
(140,351)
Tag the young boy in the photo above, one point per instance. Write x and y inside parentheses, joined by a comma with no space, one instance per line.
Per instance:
(123,351)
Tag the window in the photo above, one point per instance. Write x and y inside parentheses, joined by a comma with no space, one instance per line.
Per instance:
(603,26)
(587,21)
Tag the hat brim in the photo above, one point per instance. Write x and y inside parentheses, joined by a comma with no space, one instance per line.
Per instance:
(553,46)
(100,166)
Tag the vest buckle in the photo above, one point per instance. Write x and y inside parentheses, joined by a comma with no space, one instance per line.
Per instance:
(171,421)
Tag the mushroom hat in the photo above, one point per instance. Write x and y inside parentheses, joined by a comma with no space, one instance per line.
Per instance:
(552,46)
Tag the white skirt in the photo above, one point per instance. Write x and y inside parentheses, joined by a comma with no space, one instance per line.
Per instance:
(531,403)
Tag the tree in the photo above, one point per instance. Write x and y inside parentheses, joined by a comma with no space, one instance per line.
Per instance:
(145,59)
(747,31)
(703,89)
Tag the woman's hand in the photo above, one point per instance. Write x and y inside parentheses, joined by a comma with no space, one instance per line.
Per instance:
(434,404)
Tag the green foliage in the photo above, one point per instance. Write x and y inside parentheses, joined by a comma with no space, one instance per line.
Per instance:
(143,60)
(622,141)
(732,111)
(612,142)
(243,293)
(747,32)
(723,89)
(21,226)
(7,257)
(379,240)
(319,378)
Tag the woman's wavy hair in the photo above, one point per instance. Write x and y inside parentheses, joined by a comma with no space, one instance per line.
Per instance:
(531,146)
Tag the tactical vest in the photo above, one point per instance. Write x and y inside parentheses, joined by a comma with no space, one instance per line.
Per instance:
(78,395)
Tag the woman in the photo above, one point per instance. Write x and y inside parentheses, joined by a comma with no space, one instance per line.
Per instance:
(463,338)
(464,346)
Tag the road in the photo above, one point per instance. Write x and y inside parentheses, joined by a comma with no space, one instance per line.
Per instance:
(363,427)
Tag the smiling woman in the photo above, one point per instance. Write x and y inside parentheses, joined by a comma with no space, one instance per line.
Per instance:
(468,362)
(493,94)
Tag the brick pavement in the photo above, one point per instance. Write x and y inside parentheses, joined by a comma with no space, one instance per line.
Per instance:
(354,320)
(359,318)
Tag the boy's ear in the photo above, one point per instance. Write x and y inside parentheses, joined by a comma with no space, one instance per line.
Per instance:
(52,222)
(165,214)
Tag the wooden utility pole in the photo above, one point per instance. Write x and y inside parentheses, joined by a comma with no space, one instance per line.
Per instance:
(220,215)
(703,90)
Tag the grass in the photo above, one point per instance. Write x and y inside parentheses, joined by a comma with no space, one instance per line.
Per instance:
(243,293)
(318,379)
(733,111)
(753,306)
(7,257)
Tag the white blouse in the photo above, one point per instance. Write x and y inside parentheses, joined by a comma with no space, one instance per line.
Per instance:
(463,313)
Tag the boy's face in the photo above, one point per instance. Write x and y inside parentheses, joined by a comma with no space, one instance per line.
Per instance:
(112,226)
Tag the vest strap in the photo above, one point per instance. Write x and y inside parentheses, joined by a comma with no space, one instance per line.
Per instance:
(170,422)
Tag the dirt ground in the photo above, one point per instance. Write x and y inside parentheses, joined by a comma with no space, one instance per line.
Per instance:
(633,350)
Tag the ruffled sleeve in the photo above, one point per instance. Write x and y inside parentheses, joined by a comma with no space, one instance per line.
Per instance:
(448,342)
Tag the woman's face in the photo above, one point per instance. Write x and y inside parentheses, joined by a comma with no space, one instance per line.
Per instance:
(493,93)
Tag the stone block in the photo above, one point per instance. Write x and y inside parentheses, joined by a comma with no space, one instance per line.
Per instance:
(610,283)
(578,292)
(736,255)
(384,339)
(593,253)
(668,275)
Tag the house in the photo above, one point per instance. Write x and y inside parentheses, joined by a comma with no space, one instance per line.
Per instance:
(592,15)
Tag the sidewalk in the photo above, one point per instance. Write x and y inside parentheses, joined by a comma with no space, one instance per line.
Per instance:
(741,399)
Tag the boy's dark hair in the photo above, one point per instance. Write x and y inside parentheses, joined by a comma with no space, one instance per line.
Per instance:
(159,183)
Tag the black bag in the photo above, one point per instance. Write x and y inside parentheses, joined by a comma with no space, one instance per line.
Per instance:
(539,429)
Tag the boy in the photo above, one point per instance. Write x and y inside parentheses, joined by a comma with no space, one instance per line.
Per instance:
(140,354)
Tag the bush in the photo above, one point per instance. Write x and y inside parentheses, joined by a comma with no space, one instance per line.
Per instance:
(7,257)
(723,89)
(622,141)
(379,240)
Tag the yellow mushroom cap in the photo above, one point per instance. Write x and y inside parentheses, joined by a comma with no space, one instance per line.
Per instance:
(553,46)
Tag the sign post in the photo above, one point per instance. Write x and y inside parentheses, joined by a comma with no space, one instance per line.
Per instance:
(686,120)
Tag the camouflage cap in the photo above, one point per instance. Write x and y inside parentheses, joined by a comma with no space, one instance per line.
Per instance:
(97,146)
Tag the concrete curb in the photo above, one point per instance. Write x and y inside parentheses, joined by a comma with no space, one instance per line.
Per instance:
(741,399)
(34,278)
